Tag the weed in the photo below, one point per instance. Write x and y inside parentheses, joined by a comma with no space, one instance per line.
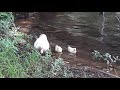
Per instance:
(106,57)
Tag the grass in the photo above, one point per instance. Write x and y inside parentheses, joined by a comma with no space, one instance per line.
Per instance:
(23,61)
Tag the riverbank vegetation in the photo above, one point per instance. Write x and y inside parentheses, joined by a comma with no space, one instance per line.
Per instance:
(19,59)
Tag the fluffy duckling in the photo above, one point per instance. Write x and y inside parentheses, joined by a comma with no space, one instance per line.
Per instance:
(42,43)
(71,50)
(58,49)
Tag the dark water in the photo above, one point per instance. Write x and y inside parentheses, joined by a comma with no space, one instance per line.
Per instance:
(87,26)
(87,31)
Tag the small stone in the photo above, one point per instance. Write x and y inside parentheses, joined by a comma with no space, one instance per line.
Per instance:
(98,66)
(66,62)
(107,71)
(79,64)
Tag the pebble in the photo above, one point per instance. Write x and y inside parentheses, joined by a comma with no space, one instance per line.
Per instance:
(79,64)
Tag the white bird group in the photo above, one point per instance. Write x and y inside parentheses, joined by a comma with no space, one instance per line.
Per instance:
(70,49)
(43,45)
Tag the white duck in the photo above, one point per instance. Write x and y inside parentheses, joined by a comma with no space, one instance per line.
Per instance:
(71,50)
(42,43)
(58,49)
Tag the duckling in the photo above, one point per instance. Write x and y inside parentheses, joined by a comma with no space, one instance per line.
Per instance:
(42,43)
(58,49)
(71,50)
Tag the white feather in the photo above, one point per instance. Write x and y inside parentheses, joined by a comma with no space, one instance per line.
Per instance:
(42,43)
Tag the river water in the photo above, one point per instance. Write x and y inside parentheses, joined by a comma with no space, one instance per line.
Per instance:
(89,26)
(87,31)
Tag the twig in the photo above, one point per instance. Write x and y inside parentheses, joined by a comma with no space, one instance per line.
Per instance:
(105,73)
(118,19)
